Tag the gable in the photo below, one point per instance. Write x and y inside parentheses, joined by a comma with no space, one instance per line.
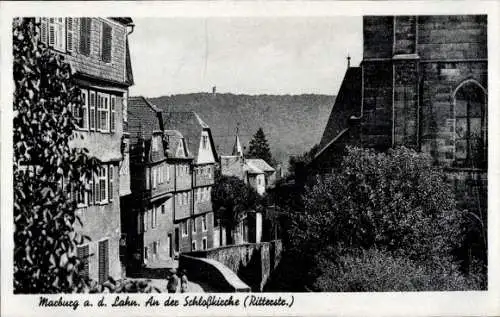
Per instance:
(205,150)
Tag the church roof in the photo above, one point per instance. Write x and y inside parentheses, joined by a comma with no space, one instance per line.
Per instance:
(347,104)
(260,164)
(237,149)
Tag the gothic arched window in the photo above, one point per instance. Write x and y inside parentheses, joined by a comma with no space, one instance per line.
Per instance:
(470,125)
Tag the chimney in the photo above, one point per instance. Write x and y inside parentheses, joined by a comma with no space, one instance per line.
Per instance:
(348,61)
(214,91)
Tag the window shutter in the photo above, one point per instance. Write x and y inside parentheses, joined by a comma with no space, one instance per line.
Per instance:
(44,25)
(106,42)
(103,261)
(69,34)
(52,32)
(83,255)
(85,28)
(110,186)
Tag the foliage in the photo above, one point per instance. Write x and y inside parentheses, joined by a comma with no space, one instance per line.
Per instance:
(124,286)
(44,215)
(396,200)
(305,158)
(259,147)
(291,122)
(232,199)
(375,270)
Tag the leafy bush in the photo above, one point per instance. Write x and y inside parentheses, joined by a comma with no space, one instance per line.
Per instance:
(395,200)
(45,167)
(233,199)
(45,170)
(377,271)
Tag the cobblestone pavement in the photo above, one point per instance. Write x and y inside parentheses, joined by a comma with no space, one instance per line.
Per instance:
(193,287)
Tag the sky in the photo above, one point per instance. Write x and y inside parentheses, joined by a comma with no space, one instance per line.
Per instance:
(243,55)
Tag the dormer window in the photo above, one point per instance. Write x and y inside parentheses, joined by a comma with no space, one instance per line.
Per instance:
(205,142)
(154,144)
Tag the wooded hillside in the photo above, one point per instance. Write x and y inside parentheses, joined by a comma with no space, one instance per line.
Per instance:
(292,123)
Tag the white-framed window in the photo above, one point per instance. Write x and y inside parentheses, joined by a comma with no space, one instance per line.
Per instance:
(204,243)
(92,116)
(101,194)
(167,170)
(154,217)
(57,33)
(204,222)
(193,246)
(146,253)
(193,225)
(155,247)
(160,177)
(148,177)
(103,112)
(205,141)
(112,116)
(163,208)
(153,172)
(111,176)
(146,220)
(140,223)
(91,192)
(154,144)
(184,228)
(81,113)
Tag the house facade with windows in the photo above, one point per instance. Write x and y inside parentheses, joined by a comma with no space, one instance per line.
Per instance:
(169,210)
(199,142)
(259,175)
(97,51)
(422,84)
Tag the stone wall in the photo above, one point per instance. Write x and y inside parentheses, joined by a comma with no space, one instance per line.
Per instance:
(252,262)
(218,276)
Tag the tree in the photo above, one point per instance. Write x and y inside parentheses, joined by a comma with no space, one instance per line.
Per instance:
(232,200)
(305,159)
(46,169)
(259,148)
(397,202)
(48,173)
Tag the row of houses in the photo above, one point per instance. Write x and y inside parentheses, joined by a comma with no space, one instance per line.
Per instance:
(172,167)
(151,198)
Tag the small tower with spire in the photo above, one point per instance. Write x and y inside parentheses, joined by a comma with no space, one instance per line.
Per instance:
(237,150)
(348,60)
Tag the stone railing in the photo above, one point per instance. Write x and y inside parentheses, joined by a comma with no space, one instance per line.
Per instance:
(252,262)
(212,272)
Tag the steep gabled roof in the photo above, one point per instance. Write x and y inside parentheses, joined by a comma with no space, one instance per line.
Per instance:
(347,103)
(191,126)
(260,164)
(175,140)
(252,169)
(143,118)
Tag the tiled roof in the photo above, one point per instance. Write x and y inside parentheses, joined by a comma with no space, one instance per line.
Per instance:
(174,139)
(260,164)
(191,126)
(251,169)
(231,165)
(347,104)
(142,118)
